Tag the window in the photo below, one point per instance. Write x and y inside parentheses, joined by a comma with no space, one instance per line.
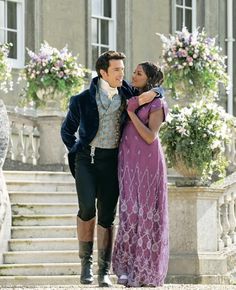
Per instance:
(184,14)
(103,27)
(12,29)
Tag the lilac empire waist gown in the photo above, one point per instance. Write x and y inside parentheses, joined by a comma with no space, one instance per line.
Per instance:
(141,248)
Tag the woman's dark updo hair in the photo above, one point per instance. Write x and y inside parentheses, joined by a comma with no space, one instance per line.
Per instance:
(154,75)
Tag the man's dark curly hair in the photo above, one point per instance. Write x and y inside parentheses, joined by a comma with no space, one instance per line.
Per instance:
(103,60)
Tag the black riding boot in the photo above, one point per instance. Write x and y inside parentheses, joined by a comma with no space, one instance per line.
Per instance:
(85,235)
(105,238)
(86,256)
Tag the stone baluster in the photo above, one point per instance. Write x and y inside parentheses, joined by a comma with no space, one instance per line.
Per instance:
(225,222)
(232,219)
(220,228)
(66,156)
(36,135)
(11,153)
(30,150)
(21,145)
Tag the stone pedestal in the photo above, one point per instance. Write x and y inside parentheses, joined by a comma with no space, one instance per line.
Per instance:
(193,236)
(51,149)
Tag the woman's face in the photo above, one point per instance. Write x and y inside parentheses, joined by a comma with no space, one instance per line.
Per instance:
(139,78)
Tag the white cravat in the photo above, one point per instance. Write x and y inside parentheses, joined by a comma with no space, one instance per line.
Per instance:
(106,87)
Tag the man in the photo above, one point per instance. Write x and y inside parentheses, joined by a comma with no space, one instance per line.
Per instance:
(91,132)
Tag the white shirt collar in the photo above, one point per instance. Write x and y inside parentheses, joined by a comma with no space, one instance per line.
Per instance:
(104,85)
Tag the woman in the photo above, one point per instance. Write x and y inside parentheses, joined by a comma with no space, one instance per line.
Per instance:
(140,256)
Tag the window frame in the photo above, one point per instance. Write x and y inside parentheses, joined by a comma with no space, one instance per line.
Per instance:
(112,25)
(20,8)
(184,7)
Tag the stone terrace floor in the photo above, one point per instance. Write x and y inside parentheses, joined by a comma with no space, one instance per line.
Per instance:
(94,287)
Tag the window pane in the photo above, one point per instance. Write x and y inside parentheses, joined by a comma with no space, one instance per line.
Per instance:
(94,56)
(107,8)
(11,15)
(97,7)
(95,30)
(104,32)
(179,19)
(188,3)
(103,49)
(2,38)
(188,19)
(12,37)
(1,14)
(179,2)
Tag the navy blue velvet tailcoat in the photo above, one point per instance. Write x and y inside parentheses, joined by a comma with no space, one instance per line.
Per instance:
(83,115)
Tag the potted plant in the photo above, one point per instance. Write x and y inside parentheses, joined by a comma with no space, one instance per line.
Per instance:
(52,76)
(194,138)
(193,64)
(194,134)
(5,69)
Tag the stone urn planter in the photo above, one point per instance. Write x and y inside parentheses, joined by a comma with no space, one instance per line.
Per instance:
(186,171)
(51,77)
(194,138)
(51,98)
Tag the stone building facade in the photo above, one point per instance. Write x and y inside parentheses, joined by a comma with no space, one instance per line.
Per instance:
(90,27)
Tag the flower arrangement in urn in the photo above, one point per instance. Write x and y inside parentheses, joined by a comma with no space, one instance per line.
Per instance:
(195,134)
(5,69)
(193,64)
(51,75)
(194,138)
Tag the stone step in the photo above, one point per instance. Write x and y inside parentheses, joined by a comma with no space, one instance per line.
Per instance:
(48,220)
(46,244)
(44,186)
(44,220)
(43,249)
(37,175)
(37,257)
(43,208)
(40,197)
(44,269)
(72,282)
(20,232)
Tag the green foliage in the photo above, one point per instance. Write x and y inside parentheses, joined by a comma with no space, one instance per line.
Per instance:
(196,135)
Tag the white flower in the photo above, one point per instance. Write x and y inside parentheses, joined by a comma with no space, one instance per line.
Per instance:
(182,131)
(216,144)
(5,68)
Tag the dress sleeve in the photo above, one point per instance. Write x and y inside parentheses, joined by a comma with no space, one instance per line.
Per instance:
(157,104)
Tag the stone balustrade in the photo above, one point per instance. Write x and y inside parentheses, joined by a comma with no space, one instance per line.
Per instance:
(227,215)
(35,138)
(24,139)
